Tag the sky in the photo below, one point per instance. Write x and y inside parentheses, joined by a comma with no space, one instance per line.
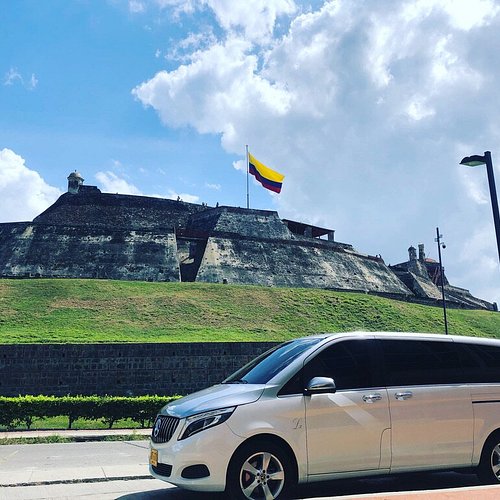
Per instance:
(367,108)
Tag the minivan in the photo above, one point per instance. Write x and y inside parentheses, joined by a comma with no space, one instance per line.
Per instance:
(335,406)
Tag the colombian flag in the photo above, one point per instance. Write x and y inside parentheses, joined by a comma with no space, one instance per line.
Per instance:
(270,179)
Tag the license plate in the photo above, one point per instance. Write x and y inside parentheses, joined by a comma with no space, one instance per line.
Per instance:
(153,457)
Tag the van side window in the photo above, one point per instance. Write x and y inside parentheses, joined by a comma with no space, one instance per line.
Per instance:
(351,364)
(421,362)
(481,362)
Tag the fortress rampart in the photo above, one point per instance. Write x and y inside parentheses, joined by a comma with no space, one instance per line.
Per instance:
(89,234)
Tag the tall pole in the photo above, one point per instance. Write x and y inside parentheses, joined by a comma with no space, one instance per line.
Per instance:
(248,168)
(438,239)
(493,195)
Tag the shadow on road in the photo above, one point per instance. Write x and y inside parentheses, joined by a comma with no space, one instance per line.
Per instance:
(339,488)
(171,494)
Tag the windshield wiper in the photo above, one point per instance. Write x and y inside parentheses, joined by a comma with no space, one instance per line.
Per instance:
(240,381)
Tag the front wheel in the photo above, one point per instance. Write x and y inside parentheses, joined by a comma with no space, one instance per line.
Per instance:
(260,471)
(489,466)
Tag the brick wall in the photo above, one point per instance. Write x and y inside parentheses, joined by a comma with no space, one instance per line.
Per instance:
(120,369)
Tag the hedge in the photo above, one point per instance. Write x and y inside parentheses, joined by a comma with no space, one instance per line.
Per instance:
(15,411)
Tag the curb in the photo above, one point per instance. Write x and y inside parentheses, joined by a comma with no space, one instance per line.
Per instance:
(78,481)
(76,435)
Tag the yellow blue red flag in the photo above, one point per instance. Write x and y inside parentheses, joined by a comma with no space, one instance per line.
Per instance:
(269,178)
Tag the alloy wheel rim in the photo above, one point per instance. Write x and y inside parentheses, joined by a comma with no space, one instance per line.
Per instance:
(495,461)
(262,477)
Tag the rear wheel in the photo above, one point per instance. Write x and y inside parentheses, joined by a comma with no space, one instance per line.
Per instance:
(260,471)
(489,466)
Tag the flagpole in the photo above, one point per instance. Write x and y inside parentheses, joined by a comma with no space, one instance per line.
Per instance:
(248,168)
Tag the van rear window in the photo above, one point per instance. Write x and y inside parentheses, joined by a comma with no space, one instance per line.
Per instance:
(481,362)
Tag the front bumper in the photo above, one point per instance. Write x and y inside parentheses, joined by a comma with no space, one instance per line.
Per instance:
(208,451)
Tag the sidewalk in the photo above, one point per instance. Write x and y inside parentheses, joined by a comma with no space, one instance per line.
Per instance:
(91,460)
(129,461)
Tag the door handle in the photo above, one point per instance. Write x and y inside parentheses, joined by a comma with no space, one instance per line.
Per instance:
(402,396)
(371,398)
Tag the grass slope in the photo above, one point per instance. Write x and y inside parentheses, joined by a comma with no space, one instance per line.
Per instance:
(77,311)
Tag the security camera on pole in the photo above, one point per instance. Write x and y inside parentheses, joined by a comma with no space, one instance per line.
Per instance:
(440,245)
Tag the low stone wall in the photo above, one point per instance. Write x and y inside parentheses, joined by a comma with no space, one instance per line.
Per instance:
(120,369)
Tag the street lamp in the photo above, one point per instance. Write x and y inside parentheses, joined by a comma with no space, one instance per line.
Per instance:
(441,244)
(474,161)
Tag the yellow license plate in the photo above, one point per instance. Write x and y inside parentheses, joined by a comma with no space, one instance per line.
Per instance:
(153,457)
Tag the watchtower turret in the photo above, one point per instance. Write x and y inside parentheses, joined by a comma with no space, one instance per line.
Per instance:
(412,253)
(75,180)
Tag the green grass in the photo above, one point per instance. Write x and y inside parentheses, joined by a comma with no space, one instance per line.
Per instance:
(76,311)
(72,439)
(35,440)
(58,423)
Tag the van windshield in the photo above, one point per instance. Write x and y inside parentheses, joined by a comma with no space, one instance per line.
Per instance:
(267,365)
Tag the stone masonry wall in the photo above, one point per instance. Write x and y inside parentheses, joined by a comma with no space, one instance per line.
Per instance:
(120,369)
(295,263)
(53,251)
(117,211)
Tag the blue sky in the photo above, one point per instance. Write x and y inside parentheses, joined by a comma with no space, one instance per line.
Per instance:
(366,107)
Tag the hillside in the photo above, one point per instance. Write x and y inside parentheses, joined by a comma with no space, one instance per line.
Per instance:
(76,311)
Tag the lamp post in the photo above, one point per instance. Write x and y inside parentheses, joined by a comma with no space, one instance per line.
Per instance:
(441,244)
(474,161)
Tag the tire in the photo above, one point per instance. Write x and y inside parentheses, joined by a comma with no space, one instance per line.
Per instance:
(488,470)
(260,470)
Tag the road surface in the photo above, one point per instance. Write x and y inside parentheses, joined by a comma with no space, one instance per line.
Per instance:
(119,470)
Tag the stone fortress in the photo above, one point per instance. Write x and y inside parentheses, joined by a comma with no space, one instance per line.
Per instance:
(90,234)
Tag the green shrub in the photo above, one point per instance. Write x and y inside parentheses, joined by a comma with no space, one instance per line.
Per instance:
(22,410)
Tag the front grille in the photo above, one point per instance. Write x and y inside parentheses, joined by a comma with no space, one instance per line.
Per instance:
(164,428)
(162,469)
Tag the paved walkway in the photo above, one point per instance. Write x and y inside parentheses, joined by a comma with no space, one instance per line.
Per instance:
(94,472)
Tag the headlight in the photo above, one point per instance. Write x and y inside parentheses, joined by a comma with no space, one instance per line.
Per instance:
(202,421)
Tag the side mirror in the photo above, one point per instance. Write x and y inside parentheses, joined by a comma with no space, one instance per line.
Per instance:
(320,385)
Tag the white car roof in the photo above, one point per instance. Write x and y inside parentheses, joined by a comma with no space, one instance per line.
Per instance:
(410,335)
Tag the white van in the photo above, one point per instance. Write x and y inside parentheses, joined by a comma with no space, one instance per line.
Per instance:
(334,406)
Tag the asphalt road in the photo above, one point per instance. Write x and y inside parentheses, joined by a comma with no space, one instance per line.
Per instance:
(118,470)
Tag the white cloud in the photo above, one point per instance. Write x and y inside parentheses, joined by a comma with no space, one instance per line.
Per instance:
(215,187)
(13,76)
(32,83)
(256,18)
(111,183)
(179,6)
(417,109)
(23,192)
(189,198)
(218,87)
(136,6)
(475,185)
(240,165)
(183,49)
(479,257)
(467,14)
(363,106)
(117,164)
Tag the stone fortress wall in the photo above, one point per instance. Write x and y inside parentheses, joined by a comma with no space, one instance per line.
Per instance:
(89,234)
